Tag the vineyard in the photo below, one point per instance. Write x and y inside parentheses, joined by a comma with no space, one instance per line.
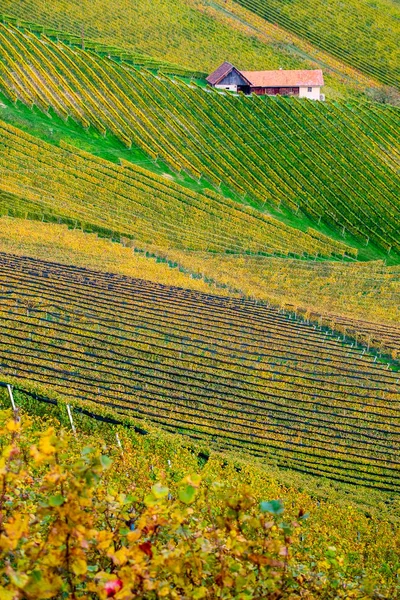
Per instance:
(57,243)
(362,302)
(71,186)
(360,299)
(199,303)
(200,33)
(136,59)
(277,153)
(363,34)
(223,370)
(136,30)
(149,515)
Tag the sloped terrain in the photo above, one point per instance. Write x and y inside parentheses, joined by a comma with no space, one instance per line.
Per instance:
(357,300)
(223,370)
(272,151)
(94,194)
(137,59)
(57,243)
(358,32)
(246,294)
(152,481)
(201,34)
(360,299)
(182,33)
(215,32)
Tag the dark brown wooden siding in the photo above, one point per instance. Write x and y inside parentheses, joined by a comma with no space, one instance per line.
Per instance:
(274,91)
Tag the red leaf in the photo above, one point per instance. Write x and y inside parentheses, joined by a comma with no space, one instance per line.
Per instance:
(112,587)
(146,548)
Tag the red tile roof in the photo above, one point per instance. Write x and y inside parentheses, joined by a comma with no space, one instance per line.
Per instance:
(282,78)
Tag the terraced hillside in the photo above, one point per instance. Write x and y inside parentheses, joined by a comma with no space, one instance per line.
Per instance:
(220,266)
(361,300)
(57,243)
(358,300)
(222,370)
(337,163)
(136,59)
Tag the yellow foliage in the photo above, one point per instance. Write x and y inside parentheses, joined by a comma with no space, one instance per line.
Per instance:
(57,243)
(221,30)
(225,544)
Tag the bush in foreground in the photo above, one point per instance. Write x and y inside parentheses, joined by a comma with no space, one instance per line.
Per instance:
(69,528)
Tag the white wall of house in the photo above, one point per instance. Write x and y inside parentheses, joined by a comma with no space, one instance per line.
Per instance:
(313,93)
(230,88)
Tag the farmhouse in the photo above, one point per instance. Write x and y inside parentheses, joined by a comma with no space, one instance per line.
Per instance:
(303,83)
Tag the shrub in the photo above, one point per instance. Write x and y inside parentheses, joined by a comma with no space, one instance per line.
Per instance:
(69,529)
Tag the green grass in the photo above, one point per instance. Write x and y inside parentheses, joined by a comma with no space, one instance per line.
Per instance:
(52,129)
(334,162)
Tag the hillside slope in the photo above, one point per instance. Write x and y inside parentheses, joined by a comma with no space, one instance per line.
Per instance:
(217,369)
(200,34)
(337,163)
(359,301)
(361,33)
(88,192)
(203,263)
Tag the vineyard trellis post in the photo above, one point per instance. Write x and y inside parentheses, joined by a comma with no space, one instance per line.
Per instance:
(71,419)
(119,443)
(10,393)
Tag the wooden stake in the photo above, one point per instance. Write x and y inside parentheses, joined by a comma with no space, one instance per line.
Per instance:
(9,389)
(70,419)
(119,443)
